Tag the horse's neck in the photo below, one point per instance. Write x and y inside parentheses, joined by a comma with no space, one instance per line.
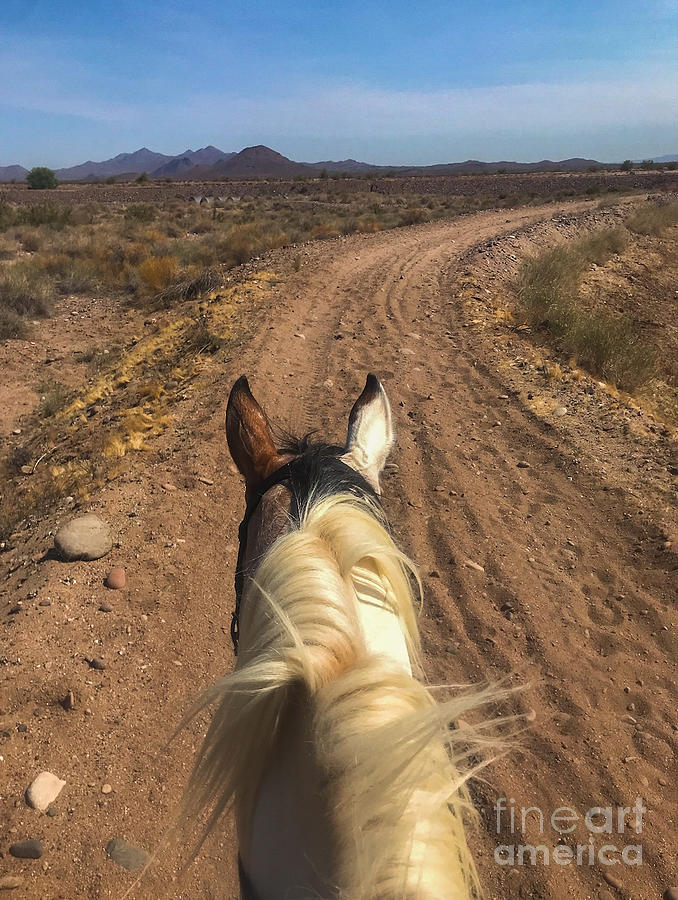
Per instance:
(381,627)
(287,851)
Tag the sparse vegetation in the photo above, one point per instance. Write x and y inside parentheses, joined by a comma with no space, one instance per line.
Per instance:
(41,178)
(653,218)
(53,399)
(604,344)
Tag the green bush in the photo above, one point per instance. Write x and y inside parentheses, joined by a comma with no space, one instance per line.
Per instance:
(41,178)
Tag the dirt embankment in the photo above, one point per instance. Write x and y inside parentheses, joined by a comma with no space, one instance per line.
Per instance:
(571,586)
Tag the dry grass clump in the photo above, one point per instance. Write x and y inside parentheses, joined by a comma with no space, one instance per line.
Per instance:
(53,399)
(653,218)
(24,294)
(158,272)
(606,345)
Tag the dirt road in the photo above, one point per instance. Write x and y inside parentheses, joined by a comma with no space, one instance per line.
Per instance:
(570,588)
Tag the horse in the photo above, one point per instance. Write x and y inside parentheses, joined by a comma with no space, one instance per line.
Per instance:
(346,778)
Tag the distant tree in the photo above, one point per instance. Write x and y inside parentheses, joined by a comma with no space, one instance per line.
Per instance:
(41,178)
(324,174)
(647,164)
(142,178)
(627,165)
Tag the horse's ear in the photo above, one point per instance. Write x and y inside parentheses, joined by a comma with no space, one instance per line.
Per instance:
(249,436)
(370,432)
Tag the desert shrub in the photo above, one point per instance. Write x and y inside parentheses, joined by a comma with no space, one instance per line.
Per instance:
(599,246)
(140,212)
(606,345)
(7,214)
(157,272)
(652,218)
(208,281)
(78,278)
(413,215)
(324,231)
(44,214)
(242,242)
(54,398)
(32,240)
(41,178)
(24,290)
(368,223)
(12,325)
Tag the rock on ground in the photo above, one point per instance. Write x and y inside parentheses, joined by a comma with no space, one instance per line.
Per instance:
(26,849)
(85,537)
(44,790)
(116,579)
(127,856)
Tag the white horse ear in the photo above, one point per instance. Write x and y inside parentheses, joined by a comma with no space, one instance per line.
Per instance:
(370,432)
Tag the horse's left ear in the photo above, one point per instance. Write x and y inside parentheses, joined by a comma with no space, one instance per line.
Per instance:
(370,432)
(249,436)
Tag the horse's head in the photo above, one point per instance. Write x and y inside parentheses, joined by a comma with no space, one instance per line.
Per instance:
(280,480)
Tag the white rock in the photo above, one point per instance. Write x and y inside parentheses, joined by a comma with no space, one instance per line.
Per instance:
(85,537)
(44,790)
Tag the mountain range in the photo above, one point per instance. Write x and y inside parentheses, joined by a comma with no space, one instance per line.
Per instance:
(210,163)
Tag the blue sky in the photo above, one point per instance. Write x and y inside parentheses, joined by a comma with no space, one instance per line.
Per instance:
(387,82)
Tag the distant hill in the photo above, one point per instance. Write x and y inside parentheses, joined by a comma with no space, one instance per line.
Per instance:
(143,160)
(263,162)
(13,173)
(259,161)
(184,162)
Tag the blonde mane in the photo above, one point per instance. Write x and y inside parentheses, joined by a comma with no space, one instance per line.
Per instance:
(394,770)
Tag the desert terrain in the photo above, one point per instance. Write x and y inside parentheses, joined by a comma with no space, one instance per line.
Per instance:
(536,497)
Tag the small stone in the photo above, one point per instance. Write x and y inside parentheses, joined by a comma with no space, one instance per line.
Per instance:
(44,790)
(97,663)
(127,856)
(106,789)
(474,565)
(105,607)
(68,701)
(26,849)
(205,480)
(613,881)
(530,715)
(10,882)
(51,812)
(168,486)
(116,579)
(560,411)
(523,464)
(22,728)
(85,537)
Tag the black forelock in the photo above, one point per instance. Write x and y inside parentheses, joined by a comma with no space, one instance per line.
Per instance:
(317,471)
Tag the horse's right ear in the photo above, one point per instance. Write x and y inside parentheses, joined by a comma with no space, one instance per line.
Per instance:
(249,436)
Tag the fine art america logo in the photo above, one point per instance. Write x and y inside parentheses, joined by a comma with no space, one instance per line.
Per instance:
(604,824)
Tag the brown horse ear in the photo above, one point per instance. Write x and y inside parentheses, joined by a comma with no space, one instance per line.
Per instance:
(249,436)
